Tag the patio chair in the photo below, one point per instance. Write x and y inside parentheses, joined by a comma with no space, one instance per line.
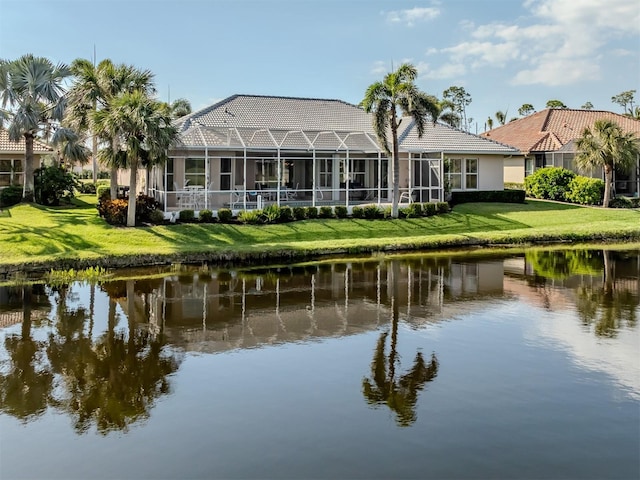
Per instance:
(406,196)
(292,193)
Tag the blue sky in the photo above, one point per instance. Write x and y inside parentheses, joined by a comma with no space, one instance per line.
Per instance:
(503,52)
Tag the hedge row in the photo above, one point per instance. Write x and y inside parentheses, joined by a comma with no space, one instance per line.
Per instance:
(502,196)
(556,183)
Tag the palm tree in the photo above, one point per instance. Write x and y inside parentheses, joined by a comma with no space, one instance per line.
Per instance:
(71,147)
(32,98)
(142,127)
(398,94)
(501,117)
(180,107)
(607,146)
(94,89)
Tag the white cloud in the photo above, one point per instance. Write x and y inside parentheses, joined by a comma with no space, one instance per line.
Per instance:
(413,15)
(559,43)
(448,70)
(379,68)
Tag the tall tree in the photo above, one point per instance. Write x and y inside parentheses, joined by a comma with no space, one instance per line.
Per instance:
(180,107)
(94,89)
(501,117)
(396,96)
(607,146)
(555,104)
(460,99)
(448,114)
(626,101)
(142,127)
(526,109)
(587,106)
(32,99)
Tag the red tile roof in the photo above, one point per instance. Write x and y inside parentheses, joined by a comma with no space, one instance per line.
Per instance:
(550,129)
(7,146)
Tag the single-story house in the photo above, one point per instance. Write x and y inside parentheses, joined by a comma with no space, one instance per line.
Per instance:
(12,158)
(547,139)
(247,151)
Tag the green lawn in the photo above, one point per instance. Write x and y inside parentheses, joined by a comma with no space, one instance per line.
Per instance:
(34,234)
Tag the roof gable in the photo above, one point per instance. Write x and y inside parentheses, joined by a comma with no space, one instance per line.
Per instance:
(552,128)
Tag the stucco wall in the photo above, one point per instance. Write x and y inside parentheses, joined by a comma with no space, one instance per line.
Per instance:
(514,169)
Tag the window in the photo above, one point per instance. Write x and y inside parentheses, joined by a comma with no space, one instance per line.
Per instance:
(10,172)
(461,174)
(325,172)
(225,174)
(194,174)
(170,176)
(471,173)
(453,171)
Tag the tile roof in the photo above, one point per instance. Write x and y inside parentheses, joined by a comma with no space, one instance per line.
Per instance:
(255,121)
(550,129)
(7,146)
(440,137)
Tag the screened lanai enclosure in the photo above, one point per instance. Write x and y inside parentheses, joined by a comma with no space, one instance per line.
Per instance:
(250,168)
(249,151)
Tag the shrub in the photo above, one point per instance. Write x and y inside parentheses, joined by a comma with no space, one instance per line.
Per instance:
(51,184)
(402,212)
(341,211)
(10,195)
(144,206)
(386,213)
(205,216)
(372,212)
(156,217)
(271,213)
(551,183)
(503,196)
(443,207)
(86,187)
(325,212)
(113,211)
(252,217)
(414,210)
(286,214)
(585,190)
(299,213)
(513,186)
(225,215)
(357,212)
(187,216)
(624,202)
(312,212)
(103,191)
(429,209)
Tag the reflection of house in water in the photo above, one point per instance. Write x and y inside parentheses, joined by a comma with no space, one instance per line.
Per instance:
(16,302)
(218,311)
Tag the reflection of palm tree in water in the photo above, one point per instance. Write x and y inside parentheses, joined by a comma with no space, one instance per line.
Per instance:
(607,306)
(399,394)
(26,388)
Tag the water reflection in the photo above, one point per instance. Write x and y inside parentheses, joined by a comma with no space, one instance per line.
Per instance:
(106,368)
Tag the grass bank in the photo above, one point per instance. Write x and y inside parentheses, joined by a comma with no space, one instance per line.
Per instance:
(36,238)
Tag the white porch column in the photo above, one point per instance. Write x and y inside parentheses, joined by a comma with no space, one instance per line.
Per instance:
(313,180)
(166,187)
(347,180)
(279,178)
(207,177)
(244,174)
(379,175)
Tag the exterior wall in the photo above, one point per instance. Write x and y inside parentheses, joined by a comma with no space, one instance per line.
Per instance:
(17,177)
(490,171)
(514,170)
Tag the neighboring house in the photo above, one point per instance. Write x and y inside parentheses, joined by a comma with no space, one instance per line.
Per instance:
(248,151)
(12,158)
(547,139)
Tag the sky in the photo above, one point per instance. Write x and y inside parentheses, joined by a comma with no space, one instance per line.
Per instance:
(505,53)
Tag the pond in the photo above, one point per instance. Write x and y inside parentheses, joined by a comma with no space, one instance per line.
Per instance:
(420,366)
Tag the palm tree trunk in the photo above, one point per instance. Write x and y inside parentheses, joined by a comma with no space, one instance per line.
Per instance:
(133,179)
(395,161)
(27,190)
(608,179)
(94,152)
(113,184)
